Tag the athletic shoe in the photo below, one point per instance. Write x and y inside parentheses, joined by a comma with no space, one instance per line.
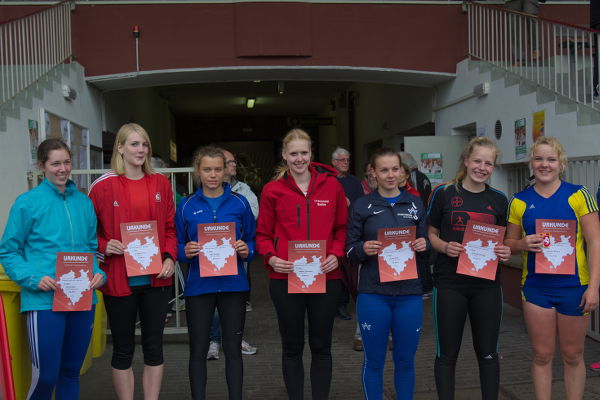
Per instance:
(342,313)
(358,345)
(426,296)
(595,366)
(213,351)
(247,349)
(181,305)
(248,306)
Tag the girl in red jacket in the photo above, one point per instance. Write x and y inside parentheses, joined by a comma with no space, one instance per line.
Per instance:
(302,204)
(133,192)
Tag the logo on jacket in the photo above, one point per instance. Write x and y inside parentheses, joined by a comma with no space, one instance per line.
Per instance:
(157,197)
(413,211)
(366,327)
(322,203)
(377,212)
(115,204)
(456,202)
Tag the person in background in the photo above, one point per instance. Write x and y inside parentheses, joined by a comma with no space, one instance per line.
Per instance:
(466,197)
(214,202)
(303,204)
(556,304)
(384,307)
(340,159)
(595,366)
(132,191)
(419,181)
(50,218)
(369,183)
(240,187)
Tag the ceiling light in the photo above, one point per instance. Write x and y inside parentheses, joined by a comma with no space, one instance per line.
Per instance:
(250,101)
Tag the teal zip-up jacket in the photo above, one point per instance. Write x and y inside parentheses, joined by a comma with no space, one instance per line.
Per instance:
(41,223)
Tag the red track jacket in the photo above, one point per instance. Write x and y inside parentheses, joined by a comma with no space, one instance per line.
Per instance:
(286,214)
(111,202)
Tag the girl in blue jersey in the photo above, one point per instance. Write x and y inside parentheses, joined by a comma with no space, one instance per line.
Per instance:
(53,217)
(214,202)
(390,306)
(556,304)
(467,197)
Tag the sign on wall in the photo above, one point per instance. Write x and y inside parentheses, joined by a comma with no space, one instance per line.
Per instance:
(539,122)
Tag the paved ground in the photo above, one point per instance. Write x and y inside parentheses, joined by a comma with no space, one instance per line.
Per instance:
(262,372)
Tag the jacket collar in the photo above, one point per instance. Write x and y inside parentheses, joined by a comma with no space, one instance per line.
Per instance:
(226,190)
(69,187)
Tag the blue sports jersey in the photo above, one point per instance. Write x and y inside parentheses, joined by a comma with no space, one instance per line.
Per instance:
(569,202)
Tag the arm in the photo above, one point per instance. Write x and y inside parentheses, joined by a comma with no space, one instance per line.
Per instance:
(265,228)
(249,232)
(182,235)
(12,246)
(515,237)
(170,232)
(99,277)
(591,233)
(355,243)
(422,242)
(340,226)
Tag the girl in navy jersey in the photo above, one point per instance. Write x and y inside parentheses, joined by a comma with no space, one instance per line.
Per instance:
(214,202)
(556,304)
(384,307)
(466,197)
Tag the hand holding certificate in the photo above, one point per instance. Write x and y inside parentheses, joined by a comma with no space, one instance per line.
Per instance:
(479,258)
(73,282)
(397,259)
(307,257)
(557,254)
(141,248)
(217,249)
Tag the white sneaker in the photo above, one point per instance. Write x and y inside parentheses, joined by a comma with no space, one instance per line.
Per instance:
(213,351)
(247,349)
(248,306)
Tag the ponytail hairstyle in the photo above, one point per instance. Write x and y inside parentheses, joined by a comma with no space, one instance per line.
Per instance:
(479,141)
(556,146)
(117,164)
(381,152)
(294,134)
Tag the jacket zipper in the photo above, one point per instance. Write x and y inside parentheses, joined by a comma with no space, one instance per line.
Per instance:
(70,222)
(298,215)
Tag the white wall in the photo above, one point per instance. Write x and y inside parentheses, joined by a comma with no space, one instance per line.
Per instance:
(85,111)
(507,105)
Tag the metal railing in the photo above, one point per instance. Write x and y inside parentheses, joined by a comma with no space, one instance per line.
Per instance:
(32,46)
(554,55)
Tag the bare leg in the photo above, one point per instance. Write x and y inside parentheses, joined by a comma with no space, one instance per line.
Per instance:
(152,381)
(123,381)
(571,336)
(541,326)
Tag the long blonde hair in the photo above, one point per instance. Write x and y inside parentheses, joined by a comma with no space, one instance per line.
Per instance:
(294,134)
(116,162)
(478,141)
(556,146)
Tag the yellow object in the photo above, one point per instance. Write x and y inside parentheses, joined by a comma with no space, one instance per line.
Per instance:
(18,340)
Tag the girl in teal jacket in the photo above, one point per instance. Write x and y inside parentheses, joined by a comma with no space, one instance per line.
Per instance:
(53,217)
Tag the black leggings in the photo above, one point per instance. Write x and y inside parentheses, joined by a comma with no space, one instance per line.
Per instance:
(484,306)
(232,311)
(291,309)
(151,305)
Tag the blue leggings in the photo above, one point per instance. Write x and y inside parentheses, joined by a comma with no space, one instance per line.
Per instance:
(377,315)
(58,342)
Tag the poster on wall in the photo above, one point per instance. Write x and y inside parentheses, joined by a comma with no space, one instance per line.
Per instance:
(520,139)
(432,166)
(34,140)
(539,124)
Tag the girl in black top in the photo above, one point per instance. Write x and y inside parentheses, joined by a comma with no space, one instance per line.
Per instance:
(452,206)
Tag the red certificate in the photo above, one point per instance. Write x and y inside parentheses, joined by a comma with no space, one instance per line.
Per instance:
(307,256)
(142,248)
(478,259)
(73,278)
(396,259)
(558,248)
(217,255)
